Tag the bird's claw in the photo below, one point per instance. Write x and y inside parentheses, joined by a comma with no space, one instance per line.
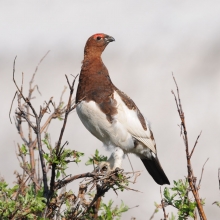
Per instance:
(104,167)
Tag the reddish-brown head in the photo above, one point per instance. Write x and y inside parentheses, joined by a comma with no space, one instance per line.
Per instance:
(96,44)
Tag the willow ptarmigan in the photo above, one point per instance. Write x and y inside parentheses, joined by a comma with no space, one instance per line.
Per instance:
(111,116)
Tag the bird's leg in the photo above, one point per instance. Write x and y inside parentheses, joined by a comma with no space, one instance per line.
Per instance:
(114,161)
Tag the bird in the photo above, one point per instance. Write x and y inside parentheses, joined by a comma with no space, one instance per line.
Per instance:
(112,116)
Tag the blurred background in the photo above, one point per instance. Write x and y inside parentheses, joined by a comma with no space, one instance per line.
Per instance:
(153,39)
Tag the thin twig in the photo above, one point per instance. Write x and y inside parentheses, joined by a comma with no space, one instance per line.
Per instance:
(195,144)
(15,81)
(36,69)
(61,97)
(22,82)
(130,163)
(202,173)
(53,115)
(70,88)
(219,177)
(179,100)
(162,204)
(18,123)
(155,211)
(24,115)
(67,112)
(71,109)
(62,183)
(24,166)
(11,106)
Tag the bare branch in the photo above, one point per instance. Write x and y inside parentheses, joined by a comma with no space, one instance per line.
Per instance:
(32,79)
(195,144)
(163,206)
(191,177)
(22,82)
(67,112)
(44,110)
(71,109)
(202,173)
(68,82)
(37,131)
(37,87)
(20,130)
(61,97)
(11,106)
(25,168)
(155,211)
(20,92)
(52,180)
(30,145)
(219,177)
(24,115)
(179,101)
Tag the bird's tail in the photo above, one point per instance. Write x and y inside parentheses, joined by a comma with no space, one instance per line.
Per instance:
(154,168)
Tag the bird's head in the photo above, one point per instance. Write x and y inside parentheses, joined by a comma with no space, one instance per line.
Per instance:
(96,44)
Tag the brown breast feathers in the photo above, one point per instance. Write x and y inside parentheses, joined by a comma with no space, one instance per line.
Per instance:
(95,84)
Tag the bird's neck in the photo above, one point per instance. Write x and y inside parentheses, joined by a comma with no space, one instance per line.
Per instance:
(94,79)
(92,65)
(92,53)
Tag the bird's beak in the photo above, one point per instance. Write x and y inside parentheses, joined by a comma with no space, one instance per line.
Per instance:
(109,39)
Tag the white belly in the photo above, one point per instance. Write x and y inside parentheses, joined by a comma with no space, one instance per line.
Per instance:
(111,134)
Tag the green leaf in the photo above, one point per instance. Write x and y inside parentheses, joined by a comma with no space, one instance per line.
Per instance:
(216,203)
(24,149)
(97,158)
(180,199)
(109,212)
(172,217)
(46,142)
(89,162)
(166,194)
(57,174)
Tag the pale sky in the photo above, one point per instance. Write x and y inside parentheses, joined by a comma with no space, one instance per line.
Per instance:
(153,39)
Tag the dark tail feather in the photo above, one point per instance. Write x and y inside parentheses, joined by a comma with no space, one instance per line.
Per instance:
(154,168)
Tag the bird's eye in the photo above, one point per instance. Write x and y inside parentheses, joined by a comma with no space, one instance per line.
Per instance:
(98,38)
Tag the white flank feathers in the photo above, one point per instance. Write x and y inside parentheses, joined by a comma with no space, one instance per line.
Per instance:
(121,131)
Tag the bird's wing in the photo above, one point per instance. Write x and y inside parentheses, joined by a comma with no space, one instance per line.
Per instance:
(132,119)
